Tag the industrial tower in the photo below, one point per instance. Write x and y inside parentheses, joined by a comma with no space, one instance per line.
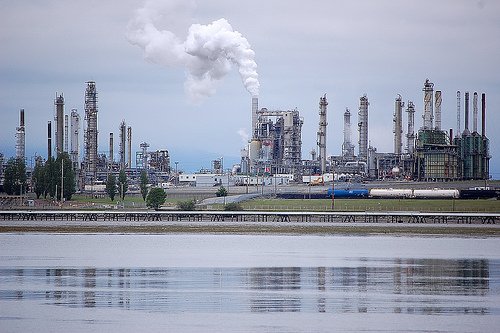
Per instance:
(21,137)
(398,124)
(322,133)
(59,120)
(75,139)
(91,131)
(363,128)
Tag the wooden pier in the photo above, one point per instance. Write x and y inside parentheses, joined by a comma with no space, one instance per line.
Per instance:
(254,216)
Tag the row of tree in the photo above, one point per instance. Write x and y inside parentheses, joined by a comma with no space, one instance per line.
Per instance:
(46,178)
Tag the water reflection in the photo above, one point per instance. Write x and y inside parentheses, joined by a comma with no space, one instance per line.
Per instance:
(426,286)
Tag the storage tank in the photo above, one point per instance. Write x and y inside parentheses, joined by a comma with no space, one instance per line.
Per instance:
(254,150)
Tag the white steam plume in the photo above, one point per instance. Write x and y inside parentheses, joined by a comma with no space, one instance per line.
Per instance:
(207,53)
(244,136)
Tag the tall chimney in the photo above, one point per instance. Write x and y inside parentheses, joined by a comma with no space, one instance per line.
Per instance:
(474,113)
(21,123)
(483,114)
(255,117)
(466,130)
(59,103)
(129,143)
(21,137)
(111,147)
(458,114)
(49,140)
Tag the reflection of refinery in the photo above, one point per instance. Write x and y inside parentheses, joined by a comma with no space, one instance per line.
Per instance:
(275,147)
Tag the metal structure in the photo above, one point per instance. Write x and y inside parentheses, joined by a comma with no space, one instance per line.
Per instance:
(321,142)
(75,139)
(66,133)
(410,135)
(122,144)
(347,146)
(59,120)
(141,157)
(398,125)
(428,111)
(91,130)
(159,160)
(437,118)
(21,137)
(363,128)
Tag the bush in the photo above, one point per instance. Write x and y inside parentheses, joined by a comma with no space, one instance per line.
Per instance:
(233,206)
(186,205)
(222,192)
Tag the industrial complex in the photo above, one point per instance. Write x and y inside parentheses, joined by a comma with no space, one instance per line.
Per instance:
(274,154)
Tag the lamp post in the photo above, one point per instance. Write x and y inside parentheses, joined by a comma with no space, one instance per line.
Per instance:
(333,187)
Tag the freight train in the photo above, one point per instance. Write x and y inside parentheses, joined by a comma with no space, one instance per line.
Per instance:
(391,193)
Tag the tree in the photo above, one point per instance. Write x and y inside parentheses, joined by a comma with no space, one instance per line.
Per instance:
(50,177)
(222,192)
(122,184)
(156,198)
(144,184)
(15,176)
(111,186)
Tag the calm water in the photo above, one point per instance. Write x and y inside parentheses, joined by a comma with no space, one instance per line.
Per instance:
(121,283)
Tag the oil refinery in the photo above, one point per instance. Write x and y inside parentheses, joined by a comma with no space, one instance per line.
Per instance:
(274,153)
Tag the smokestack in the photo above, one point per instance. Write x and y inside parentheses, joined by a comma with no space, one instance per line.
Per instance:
(437,121)
(451,136)
(49,140)
(483,115)
(255,117)
(474,113)
(21,123)
(466,130)
(458,114)
(111,147)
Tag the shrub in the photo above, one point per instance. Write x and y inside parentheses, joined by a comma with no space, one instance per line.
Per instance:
(186,205)
(233,206)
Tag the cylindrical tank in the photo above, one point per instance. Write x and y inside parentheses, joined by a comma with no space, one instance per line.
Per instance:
(436,193)
(390,193)
(254,149)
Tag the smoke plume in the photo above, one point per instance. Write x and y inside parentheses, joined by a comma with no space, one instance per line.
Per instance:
(207,53)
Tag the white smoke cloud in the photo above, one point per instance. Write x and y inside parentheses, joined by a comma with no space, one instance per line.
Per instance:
(207,53)
(244,136)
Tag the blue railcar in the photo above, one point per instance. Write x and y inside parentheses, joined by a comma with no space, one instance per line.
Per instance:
(349,193)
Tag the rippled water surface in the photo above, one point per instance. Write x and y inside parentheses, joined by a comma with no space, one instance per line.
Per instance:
(121,283)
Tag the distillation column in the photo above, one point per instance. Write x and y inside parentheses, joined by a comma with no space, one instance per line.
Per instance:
(322,133)
(410,135)
(466,130)
(428,111)
(437,121)
(398,125)
(123,139)
(75,139)
(59,103)
(111,152)
(347,146)
(49,140)
(91,131)
(129,142)
(21,137)
(363,128)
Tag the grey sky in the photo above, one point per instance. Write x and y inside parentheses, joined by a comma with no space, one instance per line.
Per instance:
(302,50)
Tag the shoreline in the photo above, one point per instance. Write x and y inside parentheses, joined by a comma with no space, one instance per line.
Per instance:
(251,228)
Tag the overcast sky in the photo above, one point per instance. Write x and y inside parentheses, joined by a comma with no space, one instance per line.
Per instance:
(303,49)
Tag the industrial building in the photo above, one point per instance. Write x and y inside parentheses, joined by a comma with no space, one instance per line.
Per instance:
(274,153)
